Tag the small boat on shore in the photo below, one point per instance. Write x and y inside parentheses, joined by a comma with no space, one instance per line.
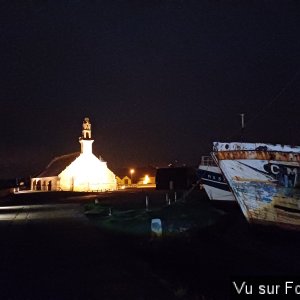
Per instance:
(213,181)
(265,180)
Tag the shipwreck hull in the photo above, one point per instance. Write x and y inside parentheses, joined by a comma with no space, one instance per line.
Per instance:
(265,181)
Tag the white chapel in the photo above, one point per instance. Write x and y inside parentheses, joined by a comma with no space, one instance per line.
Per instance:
(80,171)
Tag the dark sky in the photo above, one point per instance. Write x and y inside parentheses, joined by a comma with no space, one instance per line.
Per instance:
(160,79)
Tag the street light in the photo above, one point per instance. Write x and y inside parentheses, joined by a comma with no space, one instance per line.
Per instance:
(131,173)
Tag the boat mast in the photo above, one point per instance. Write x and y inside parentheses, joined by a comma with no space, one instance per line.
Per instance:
(242,125)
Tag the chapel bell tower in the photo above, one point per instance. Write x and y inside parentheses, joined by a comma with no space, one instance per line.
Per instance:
(86,138)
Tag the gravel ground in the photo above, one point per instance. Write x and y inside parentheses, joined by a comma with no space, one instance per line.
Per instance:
(52,251)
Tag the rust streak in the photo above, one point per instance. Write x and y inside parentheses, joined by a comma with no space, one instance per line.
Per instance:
(260,155)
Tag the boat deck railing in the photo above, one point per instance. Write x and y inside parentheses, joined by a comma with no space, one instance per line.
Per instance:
(207,161)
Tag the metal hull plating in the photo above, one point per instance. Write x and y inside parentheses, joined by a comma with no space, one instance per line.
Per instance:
(265,180)
(214,183)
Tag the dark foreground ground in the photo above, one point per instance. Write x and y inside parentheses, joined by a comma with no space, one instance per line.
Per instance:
(50,250)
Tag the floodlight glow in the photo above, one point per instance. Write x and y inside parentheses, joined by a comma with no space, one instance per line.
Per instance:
(87,173)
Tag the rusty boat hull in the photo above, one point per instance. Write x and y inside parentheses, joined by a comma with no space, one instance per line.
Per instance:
(265,180)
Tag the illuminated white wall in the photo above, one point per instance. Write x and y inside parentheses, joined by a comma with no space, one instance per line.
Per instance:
(87,173)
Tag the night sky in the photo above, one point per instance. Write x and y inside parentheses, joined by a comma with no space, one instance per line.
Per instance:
(160,79)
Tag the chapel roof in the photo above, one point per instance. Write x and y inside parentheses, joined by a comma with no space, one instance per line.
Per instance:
(58,164)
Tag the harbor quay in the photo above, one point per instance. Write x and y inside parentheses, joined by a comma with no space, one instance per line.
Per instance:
(52,248)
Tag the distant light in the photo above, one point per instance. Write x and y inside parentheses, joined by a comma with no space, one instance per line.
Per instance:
(146,180)
(132,171)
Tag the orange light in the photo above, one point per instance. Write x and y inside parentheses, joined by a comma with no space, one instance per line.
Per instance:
(146,179)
